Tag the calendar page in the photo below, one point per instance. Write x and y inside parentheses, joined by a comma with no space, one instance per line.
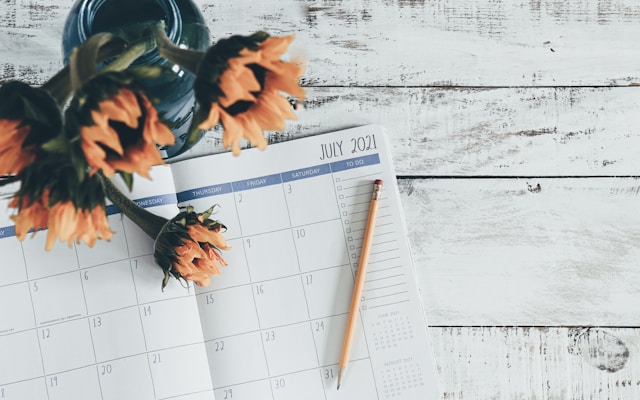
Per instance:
(85,323)
(274,320)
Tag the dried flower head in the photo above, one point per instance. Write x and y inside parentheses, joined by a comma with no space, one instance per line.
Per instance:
(51,197)
(117,126)
(239,84)
(188,247)
(29,117)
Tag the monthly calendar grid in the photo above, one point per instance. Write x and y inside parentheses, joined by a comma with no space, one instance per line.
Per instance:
(255,283)
(43,328)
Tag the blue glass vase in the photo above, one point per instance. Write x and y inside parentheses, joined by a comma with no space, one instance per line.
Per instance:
(184,26)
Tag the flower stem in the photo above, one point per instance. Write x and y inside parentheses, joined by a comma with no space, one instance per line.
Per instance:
(188,59)
(150,223)
(131,54)
(59,85)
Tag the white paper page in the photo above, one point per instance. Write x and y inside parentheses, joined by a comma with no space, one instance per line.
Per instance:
(86,323)
(274,321)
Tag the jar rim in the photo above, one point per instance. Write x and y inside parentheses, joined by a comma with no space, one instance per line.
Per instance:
(89,9)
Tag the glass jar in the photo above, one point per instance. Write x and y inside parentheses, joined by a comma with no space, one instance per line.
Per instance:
(185,27)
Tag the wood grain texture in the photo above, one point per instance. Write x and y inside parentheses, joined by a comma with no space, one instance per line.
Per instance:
(544,252)
(485,131)
(537,363)
(395,43)
(470,88)
(445,42)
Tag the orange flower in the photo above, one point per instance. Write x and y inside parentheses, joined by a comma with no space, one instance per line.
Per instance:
(63,221)
(189,247)
(250,100)
(199,258)
(29,119)
(13,156)
(124,135)
(32,214)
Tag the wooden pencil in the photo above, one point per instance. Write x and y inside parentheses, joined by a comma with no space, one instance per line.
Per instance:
(360,277)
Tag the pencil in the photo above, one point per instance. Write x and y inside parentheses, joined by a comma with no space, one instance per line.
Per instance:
(357,289)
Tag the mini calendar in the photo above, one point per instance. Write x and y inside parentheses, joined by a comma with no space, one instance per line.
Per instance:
(93,323)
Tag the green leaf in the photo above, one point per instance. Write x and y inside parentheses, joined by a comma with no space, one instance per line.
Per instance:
(84,59)
(127,178)
(59,144)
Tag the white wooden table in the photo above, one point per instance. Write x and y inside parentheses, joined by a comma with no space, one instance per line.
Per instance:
(515,130)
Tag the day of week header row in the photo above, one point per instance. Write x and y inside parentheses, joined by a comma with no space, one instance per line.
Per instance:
(247,184)
(279,178)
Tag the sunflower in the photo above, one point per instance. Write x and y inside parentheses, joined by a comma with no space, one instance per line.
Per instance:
(246,95)
(50,197)
(29,117)
(117,126)
(14,155)
(189,247)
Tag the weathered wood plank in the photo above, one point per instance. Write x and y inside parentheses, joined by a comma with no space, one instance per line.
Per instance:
(537,363)
(484,131)
(393,43)
(544,252)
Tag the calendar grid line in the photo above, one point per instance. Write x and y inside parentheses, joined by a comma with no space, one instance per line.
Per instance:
(98,363)
(153,383)
(84,298)
(255,307)
(99,383)
(186,394)
(282,229)
(35,331)
(261,330)
(95,357)
(106,361)
(300,274)
(35,378)
(315,345)
(47,324)
(302,280)
(135,288)
(288,373)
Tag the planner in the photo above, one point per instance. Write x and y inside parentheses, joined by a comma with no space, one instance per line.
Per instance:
(93,323)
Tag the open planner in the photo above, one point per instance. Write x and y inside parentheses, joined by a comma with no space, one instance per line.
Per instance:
(93,323)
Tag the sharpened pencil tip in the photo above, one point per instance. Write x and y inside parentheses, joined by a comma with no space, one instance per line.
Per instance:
(338,387)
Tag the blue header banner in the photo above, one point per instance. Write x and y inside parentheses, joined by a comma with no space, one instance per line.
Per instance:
(255,183)
(355,163)
(7,231)
(146,202)
(205,191)
(306,173)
